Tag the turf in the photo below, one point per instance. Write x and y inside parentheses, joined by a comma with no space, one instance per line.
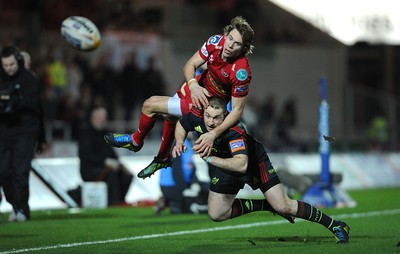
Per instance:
(375,228)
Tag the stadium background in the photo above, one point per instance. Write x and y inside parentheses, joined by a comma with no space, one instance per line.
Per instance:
(289,58)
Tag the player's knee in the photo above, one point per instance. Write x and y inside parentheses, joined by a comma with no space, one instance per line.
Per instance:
(283,207)
(216,217)
(148,105)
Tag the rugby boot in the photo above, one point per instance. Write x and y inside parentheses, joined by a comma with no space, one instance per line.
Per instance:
(155,165)
(122,141)
(342,232)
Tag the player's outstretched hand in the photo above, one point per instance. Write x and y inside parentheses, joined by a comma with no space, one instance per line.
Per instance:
(178,149)
(204,144)
(199,96)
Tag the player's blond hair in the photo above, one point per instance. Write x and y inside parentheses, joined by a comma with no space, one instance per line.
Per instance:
(245,30)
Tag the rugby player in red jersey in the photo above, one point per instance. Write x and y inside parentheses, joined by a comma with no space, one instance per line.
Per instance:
(227,75)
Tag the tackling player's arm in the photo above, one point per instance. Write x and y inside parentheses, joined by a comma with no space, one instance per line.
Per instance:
(237,163)
(198,93)
(180,136)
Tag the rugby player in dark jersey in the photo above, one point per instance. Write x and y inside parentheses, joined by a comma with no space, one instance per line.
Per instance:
(237,159)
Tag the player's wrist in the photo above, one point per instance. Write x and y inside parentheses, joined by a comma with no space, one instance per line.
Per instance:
(193,84)
(192,81)
(213,133)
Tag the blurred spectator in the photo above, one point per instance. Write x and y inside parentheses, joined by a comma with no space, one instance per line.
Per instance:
(74,79)
(105,85)
(56,82)
(285,122)
(132,94)
(267,112)
(99,161)
(268,109)
(153,80)
(378,133)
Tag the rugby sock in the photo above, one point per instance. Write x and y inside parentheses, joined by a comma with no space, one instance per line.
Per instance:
(146,123)
(244,206)
(310,213)
(167,139)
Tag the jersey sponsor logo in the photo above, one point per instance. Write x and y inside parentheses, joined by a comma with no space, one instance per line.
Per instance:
(214,39)
(241,74)
(216,86)
(224,73)
(237,145)
(204,50)
(198,129)
(241,89)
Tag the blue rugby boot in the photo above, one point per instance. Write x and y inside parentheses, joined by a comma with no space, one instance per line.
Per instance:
(122,141)
(341,232)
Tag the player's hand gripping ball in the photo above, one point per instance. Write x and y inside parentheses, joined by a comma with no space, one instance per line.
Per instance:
(80,33)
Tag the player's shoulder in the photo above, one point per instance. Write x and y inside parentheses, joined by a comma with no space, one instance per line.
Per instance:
(241,63)
(241,70)
(236,131)
(215,40)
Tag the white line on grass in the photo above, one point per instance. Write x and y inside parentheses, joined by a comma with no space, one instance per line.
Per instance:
(188,232)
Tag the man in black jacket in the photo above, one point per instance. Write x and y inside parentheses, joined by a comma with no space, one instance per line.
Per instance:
(99,161)
(20,93)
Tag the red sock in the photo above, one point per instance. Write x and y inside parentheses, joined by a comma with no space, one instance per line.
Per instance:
(167,139)
(146,123)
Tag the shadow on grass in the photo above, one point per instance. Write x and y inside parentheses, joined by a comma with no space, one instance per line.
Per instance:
(246,245)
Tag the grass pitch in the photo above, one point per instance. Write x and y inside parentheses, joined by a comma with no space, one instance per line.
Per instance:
(375,228)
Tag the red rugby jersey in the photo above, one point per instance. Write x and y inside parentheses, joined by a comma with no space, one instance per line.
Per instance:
(221,78)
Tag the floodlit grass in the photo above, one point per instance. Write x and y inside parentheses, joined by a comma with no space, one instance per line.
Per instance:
(139,230)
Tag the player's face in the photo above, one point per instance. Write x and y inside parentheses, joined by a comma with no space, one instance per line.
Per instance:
(233,45)
(213,118)
(10,65)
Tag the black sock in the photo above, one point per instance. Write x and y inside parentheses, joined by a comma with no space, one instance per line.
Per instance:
(310,213)
(244,206)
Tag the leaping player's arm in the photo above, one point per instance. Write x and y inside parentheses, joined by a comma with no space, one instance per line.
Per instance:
(198,93)
(205,142)
(238,104)
(180,136)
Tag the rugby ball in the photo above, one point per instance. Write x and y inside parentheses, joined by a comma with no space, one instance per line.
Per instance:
(80,33)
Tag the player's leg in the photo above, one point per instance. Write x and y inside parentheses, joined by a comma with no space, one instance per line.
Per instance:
(220,205)
(225,206)
(222,202)
(155,105)
(134,142)
(175,109)
(284,205)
